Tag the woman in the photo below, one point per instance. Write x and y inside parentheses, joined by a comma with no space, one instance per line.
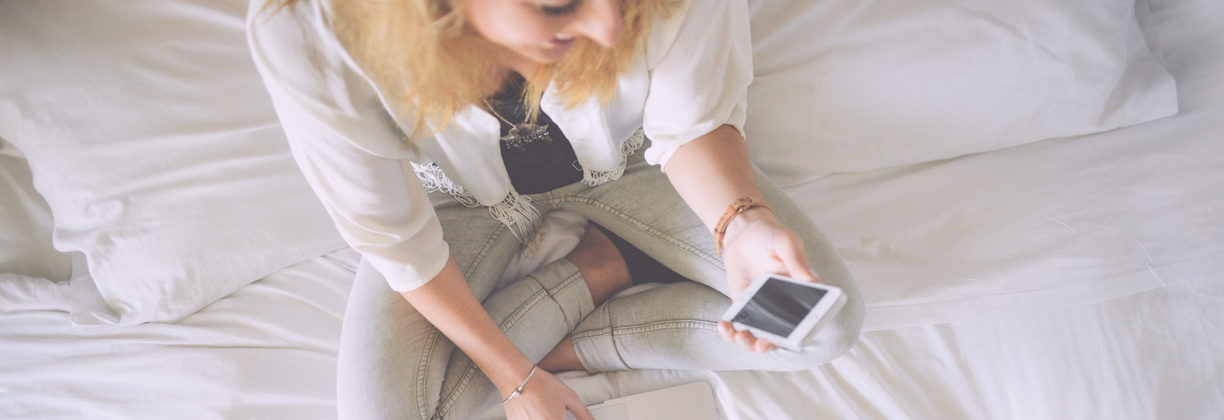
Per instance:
(436,132)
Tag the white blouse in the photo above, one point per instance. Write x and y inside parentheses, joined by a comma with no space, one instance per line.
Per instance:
(691,77)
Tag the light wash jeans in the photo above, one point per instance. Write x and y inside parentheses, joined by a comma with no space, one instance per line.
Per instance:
(394,364)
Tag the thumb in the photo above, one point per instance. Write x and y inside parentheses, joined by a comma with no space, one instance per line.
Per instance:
(792,256)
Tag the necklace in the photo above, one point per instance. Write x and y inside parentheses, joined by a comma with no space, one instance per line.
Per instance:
(521,134)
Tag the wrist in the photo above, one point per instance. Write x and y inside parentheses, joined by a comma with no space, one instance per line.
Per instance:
(508,379)
(753,215)
(522,386)
(735,214)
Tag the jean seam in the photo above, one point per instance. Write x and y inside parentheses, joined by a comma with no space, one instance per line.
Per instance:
(602,332)
(510,321)
(471,369)
(464,380)
(484,251)
(612,332)
(445,403)
(646,328)
(645,228)
(422,366)
(558,289)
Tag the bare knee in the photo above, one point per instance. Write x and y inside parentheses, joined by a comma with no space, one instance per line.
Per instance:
(601,264)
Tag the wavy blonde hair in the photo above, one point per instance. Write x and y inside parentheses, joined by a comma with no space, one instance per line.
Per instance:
(432,64)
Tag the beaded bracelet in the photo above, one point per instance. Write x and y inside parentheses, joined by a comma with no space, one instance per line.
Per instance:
(519,390)
(735,209)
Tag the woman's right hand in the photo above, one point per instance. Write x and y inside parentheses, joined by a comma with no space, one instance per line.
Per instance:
(546,397)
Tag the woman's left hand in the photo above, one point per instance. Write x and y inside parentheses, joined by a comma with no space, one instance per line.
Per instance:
(755,244)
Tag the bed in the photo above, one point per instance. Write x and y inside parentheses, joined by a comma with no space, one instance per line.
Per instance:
(1023,255)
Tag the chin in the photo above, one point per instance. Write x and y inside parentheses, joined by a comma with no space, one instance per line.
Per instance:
(547,55)
(544,58)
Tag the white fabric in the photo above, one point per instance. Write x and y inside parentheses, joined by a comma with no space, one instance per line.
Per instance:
(25,226)
(1053,224)
(149,134)
(10,150)
(690,78)
(269,350)
(882,83)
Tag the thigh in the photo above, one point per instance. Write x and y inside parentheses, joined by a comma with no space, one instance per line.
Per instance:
(535,312)
(481,246)
(391,357)
(643,208)
(393,361)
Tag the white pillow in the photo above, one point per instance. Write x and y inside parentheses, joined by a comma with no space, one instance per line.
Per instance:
(7,149)
(25,225)
(856,85)
(151,137)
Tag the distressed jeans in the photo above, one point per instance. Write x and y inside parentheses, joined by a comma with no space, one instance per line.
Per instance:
(394,364)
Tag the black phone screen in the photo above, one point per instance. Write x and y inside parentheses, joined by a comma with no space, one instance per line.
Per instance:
(779,306)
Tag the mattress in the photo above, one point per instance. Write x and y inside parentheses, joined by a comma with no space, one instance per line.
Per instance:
(269,351)
(1142,340)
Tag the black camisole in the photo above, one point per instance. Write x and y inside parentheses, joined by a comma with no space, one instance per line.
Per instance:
(536,166)
(550,163)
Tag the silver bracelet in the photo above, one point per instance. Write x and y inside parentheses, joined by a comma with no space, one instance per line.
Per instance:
(519,390)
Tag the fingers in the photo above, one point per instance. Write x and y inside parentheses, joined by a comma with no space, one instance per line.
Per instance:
(575,406)
(761,346)
(745,338)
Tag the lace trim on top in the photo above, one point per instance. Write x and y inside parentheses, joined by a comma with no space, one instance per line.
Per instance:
(515,211)
(593,178)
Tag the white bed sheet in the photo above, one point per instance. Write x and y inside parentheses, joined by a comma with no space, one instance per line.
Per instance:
(269,350)
(1051,224)
(25,225)
(1054,224)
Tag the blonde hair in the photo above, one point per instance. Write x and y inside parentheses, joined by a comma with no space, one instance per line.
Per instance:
(432,64)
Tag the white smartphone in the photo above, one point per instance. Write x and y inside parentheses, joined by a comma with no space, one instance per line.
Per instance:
(782,310)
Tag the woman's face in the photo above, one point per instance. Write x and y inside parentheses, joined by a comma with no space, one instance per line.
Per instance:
(543,30)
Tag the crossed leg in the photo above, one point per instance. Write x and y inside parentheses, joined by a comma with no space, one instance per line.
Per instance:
(395,364)
(674,326)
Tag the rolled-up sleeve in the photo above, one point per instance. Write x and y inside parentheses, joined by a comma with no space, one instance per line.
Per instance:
(700,64)
(347,145)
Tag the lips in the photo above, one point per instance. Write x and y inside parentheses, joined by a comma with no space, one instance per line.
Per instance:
(561,40)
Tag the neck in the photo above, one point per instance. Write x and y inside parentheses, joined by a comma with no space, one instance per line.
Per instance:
(512,61)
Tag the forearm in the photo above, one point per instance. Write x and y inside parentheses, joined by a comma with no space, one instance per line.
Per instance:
(449,304)
(713,171)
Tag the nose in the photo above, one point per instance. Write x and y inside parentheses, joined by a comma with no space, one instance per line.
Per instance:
(600,20)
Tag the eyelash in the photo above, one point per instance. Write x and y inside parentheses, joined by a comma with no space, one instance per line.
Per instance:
(562,10)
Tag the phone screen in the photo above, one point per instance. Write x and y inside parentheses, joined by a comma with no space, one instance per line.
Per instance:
(779,306)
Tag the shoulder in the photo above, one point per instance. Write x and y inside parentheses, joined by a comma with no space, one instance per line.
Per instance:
(296,36)
(320,95)
(269,20)
(705,24)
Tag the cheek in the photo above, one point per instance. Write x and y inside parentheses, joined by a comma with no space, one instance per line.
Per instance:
(523,33)
(511,25)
